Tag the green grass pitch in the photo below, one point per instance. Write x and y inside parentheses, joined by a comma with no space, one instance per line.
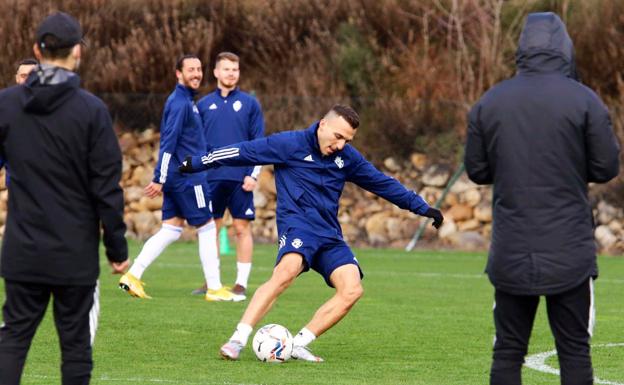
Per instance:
(425,318)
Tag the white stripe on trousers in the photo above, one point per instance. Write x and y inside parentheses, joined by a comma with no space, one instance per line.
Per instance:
(592,310)
(94,313)
(199,196)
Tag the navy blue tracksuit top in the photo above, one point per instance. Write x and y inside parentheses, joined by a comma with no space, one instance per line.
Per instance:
(227,120)
(180,136)
(309,184)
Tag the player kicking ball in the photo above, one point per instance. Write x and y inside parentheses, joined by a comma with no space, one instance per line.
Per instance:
(311,168)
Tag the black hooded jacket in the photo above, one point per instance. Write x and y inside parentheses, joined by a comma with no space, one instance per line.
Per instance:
(65,170)
(540,137)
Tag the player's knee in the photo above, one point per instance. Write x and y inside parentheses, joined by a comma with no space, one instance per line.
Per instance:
(242,228)
(352,294)
(282,279)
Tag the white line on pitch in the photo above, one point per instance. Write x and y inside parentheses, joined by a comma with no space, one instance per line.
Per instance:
(538,362)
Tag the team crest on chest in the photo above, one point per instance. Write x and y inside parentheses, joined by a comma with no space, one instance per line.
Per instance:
(339,162)
(297,243)
(237,105)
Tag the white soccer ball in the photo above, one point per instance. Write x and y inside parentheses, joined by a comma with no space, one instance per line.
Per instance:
(273,343)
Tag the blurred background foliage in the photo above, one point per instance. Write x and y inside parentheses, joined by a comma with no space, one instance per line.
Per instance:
(412,68)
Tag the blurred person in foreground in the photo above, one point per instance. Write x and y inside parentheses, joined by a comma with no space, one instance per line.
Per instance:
(540,138)
(24,68)
(311,168)
(65,172)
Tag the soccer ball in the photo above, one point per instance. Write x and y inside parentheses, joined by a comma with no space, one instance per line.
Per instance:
(273,343)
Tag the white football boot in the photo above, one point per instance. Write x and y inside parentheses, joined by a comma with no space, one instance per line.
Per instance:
(231,350)
(303,353)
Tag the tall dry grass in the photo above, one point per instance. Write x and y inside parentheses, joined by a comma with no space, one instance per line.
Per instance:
(411,67)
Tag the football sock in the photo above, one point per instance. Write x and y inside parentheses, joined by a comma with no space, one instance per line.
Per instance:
(242,273)
(209,256)
(304,337)
(242,333)
(153,247)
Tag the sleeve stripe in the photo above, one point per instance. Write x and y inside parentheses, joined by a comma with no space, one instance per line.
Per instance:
(256,172)
(164,167)
(220,154)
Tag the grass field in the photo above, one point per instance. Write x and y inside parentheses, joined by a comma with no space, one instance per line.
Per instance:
(425,318)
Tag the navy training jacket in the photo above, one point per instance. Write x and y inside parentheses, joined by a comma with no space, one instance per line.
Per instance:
(309,184)
(181,135)
(235,118)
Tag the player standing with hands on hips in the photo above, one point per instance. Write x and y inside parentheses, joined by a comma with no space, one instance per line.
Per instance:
(65,172)
(540,138)
(311,168)
(230,115)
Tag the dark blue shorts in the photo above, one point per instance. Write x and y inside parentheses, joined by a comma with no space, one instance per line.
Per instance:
(323,255)
(192,204)
(230,194)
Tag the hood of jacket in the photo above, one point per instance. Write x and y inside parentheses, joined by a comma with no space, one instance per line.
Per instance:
(48,87)
(545,46)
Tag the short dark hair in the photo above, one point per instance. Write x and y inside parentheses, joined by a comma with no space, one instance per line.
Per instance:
(347,113)
(28,62)
(54,53)
(227,56)
(181,59)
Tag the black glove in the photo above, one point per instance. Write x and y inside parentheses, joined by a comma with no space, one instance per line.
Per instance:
(187,165)
(436,215)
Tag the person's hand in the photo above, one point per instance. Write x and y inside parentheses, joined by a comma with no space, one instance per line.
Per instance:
(436,215)
(249,183)
(152,190)
(119,267)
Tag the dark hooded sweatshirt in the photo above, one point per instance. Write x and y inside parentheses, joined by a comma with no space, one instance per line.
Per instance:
(65,170)
(540,137)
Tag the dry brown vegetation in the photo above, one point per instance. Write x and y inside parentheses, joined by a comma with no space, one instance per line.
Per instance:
(411,67)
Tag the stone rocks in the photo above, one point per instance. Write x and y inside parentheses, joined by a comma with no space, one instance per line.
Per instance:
(436,175)
(605,236)
(483,212)
(366,219)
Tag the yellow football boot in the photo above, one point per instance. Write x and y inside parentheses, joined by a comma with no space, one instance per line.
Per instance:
(133,286)
(223,294)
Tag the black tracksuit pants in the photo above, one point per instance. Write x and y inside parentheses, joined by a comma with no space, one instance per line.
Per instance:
(571,318)
(75,315)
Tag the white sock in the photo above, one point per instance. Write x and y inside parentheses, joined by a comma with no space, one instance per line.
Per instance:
(242,333)
(153,247)
(242,273)
(209,256)
(304,337)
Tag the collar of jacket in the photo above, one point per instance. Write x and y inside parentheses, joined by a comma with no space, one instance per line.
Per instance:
(50,75)
(312,137)
(186,91)
(217,91)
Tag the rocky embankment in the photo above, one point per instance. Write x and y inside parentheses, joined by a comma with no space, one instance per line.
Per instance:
(366,219)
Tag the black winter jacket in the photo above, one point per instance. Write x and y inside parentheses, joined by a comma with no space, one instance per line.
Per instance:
(540,137)
(65,170)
